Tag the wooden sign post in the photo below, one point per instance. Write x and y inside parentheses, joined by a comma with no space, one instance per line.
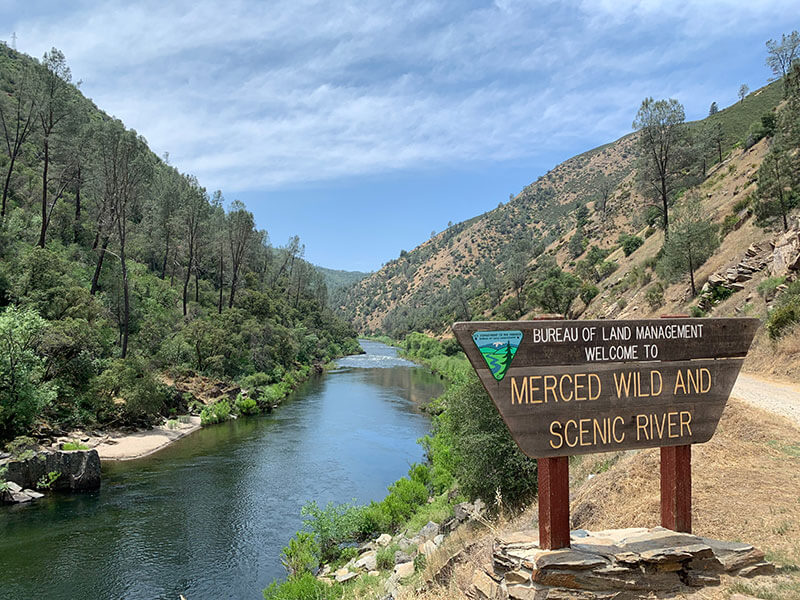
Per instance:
(578,387)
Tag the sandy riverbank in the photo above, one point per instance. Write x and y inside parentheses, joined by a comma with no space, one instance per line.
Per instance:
(128,446)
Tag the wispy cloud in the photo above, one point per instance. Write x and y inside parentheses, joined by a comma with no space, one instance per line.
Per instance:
(257,95)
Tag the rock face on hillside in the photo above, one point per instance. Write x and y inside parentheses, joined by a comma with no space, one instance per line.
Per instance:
(618,564)
(79,470)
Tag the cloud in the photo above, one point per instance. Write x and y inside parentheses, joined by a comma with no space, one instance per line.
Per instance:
(256,95)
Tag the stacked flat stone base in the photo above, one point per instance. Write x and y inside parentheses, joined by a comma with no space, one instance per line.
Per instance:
(617,564)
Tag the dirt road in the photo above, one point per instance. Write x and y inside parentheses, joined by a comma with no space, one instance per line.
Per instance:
(779,398)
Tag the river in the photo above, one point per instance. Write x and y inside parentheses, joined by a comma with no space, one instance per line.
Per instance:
(207,517)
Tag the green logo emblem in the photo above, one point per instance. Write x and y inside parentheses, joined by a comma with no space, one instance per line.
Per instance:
(498,349)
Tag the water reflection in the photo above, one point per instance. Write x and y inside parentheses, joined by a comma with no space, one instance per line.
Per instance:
(207,517)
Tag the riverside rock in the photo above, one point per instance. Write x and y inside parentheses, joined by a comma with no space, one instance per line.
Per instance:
(79,470)
(367,561)
(612,564)
(430,531)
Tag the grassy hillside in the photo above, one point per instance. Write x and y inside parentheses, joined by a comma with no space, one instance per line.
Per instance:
(487,267)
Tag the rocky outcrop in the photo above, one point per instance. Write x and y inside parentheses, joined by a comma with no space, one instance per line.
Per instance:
(618,564)
(79,470)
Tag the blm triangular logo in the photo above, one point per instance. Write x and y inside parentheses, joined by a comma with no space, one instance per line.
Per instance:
(498,349)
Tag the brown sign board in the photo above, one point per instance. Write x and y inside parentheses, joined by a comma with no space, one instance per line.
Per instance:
(579,387)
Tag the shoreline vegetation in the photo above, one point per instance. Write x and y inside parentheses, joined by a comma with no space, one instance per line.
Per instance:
(358,551)
(131,296)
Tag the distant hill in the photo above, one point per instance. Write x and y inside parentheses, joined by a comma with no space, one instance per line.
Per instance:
(337,279)
(468,270)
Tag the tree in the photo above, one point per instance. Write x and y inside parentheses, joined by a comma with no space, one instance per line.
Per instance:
(17,120)
(694,239)
(662,138)
(240,231)
(774,185)
(125,169)
(517,274)
(458,291)
(23,393)
(193,213)
(556,291)
(55,110)
(488,275)
(713,109)
(781,56)
(715,134)
(604,188)
(744,89)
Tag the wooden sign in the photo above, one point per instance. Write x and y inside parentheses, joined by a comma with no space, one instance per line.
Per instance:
(579,387)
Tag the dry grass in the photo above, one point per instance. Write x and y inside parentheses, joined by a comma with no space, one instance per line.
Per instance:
(779,359)
(746,487)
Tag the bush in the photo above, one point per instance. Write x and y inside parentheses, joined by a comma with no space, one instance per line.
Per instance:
(216,413)
(74,446)
(766,289)
(484,456)
(303,587)
(333,525)
(655,296)
(630,243)
(301,555)
(132,380)
(246,405)
(385,556)
(786,311)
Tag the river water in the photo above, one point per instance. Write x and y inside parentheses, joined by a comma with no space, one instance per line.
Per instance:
(207,516)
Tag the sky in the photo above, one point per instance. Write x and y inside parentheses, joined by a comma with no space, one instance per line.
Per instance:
(364,126)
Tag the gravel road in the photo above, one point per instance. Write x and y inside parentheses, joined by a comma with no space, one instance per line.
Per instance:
(779,398)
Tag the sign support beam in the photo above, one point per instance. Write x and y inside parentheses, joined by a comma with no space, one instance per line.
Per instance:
(553,476)
(676,488)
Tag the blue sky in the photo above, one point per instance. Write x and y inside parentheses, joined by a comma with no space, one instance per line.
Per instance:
(363,126)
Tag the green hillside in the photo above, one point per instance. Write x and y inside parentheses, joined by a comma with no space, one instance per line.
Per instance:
(116,270)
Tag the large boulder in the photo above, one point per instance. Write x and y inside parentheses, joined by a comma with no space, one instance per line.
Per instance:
(79,470)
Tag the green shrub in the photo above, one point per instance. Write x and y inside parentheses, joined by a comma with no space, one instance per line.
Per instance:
(74,446)
(696,311)
(303,587)
(333,525)
(373,519)
(46,481)
(301,555)
(385,556)
(655,296)
(483,456)
(767,287)
(786,312)
(606,268)
(588,292)
(246,405)
(630,243)
(22,447)
(420,562)
(404,497)
(720,293)
(216,413)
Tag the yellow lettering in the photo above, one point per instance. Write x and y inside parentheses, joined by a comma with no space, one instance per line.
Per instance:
(519,395)
(564,398)
(533,388)
(686,419)
(602,431)
(679,384)
(670,424)
(566,429)
(659,424)
(641,427)
(554,426)
(550,387)
(705,380)
(622,383)
(579,386)
(614,430)
(596,394)
(653,376)
(583,430)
